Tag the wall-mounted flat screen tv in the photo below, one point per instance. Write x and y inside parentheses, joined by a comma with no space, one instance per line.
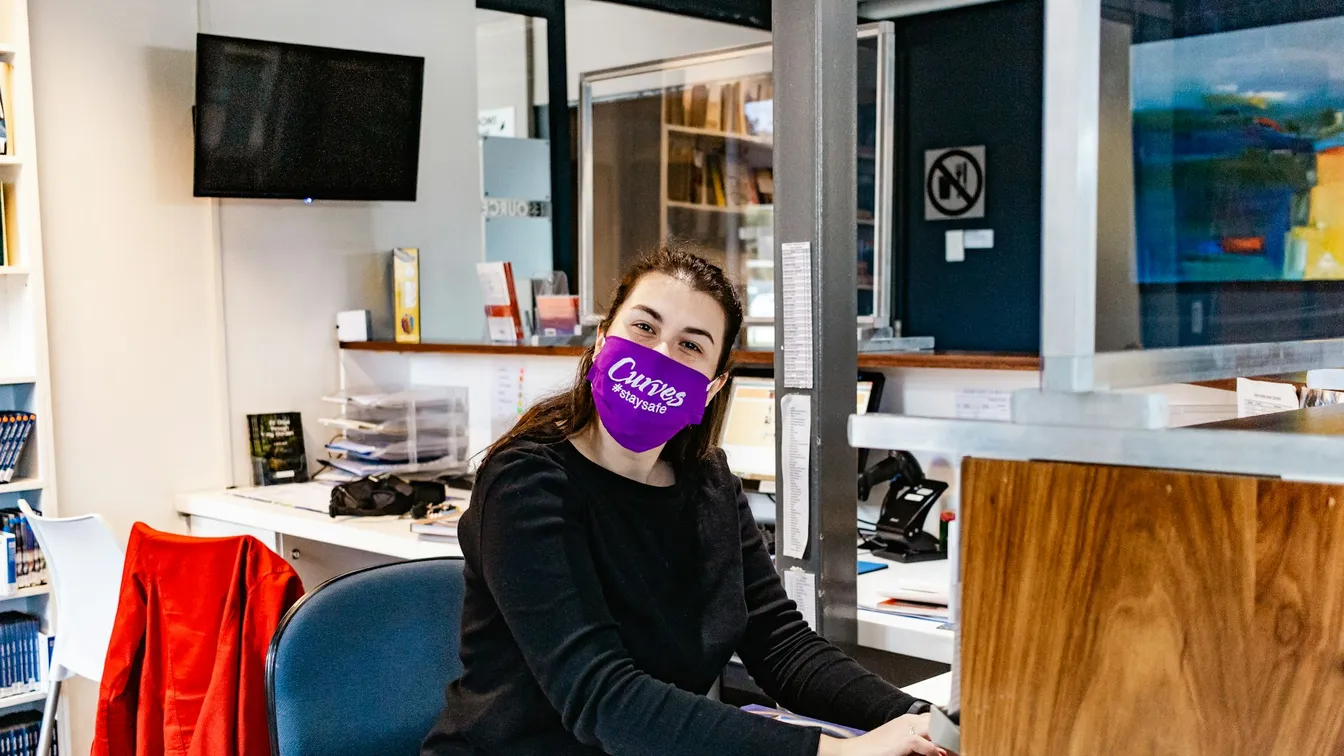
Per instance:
(284,121)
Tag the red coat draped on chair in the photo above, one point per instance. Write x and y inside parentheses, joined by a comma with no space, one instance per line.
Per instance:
(185,672)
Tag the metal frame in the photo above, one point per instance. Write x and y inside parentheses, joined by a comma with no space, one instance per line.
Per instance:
(883,210)
(815,66)
(1070,362)
(557,113)
(1069,190)
(1292,456)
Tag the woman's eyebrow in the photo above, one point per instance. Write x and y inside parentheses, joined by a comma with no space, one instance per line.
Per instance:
(699,332)
(652,312)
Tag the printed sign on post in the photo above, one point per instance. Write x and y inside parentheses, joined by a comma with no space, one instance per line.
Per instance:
(954,183)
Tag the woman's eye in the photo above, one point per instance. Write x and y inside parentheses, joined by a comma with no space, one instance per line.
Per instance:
(691,345)
(645,327)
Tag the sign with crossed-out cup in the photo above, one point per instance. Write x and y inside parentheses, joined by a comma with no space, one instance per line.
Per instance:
(954,183)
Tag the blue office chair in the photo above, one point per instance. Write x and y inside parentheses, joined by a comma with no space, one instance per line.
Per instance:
(358,666)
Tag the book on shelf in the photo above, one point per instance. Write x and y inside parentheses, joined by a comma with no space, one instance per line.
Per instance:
(278,454)
(6,105)
(764,180)
(19,733)
(25,567)
(20,654)
(16,427)
(558,315)
(675,113)
(697,105)
(714,112)
(4,227)
(406,293)
(503,316)
(742,106)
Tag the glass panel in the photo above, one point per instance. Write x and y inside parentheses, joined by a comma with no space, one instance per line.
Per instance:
(866,223)
(684,152)
(1221,193)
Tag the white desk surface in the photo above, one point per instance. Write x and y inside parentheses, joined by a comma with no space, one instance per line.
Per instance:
(903,635)
(391,536)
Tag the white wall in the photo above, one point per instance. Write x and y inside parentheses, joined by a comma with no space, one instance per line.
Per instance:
(501,65)
(289,267)
(602,35)
(133,307)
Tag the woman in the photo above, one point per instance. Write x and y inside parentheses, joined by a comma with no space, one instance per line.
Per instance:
(613,566)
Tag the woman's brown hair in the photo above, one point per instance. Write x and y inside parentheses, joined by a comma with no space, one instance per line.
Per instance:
(570,413)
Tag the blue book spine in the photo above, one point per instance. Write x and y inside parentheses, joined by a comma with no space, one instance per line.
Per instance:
(11,671)
(34,652)
(10,576)
(25,433)
(8,424)
(29,679)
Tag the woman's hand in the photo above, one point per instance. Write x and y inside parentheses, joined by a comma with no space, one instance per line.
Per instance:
(903,736)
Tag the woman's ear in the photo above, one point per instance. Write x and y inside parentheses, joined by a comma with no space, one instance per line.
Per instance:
(715,386)
(597,345)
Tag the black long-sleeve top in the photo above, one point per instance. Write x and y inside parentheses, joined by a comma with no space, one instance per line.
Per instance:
(600,610)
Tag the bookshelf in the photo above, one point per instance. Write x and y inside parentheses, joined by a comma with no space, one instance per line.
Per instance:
(682,150)
(25,377)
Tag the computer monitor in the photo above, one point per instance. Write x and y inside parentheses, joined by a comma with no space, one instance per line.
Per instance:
(748,436)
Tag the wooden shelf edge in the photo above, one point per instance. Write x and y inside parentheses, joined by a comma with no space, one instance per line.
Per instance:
(942,360)
(702,131)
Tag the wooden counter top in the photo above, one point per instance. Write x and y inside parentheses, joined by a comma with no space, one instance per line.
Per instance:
(945,360)
(1314,421)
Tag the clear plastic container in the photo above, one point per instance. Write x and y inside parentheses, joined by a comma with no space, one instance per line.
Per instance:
(1323,387)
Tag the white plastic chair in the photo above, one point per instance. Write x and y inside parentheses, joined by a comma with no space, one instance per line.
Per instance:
(84,562)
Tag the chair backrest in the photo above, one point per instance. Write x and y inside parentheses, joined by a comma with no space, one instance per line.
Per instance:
(85,562)
(358,666)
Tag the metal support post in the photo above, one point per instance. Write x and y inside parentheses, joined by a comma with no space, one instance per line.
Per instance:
(816,305)
(1069,193)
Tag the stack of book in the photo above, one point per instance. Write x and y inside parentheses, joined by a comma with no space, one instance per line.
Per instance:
(19,733)
(734,107)
(15,428)
(25,565)
(917,600)
(22,654)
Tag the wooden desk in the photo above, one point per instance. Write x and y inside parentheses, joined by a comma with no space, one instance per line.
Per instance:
(1123,610)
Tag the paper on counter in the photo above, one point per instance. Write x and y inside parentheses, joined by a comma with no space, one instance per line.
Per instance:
(1265,397)
(796,425)
(984,404)
(801,587)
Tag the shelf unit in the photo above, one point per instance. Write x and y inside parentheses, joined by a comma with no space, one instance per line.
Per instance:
(25,372)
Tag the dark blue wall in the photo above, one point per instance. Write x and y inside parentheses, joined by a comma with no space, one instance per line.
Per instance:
(972,76)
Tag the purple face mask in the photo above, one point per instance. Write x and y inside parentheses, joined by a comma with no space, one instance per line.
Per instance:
(644,397)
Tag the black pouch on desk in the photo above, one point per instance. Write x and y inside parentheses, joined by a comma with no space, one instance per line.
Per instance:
(383,495)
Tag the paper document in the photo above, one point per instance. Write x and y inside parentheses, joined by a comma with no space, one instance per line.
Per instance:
(313,496)
(797,274)
(796,445)
(1264,397)
(984,404)
(801,588)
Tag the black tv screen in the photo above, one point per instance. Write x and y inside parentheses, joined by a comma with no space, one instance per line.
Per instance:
(285,121)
